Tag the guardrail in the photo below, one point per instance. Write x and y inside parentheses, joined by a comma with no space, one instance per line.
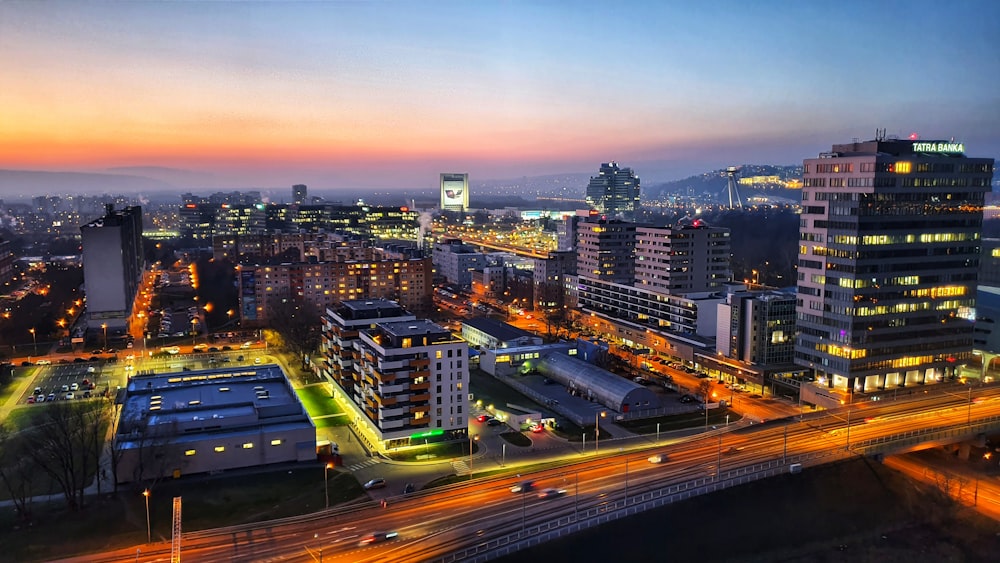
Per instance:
(554,528)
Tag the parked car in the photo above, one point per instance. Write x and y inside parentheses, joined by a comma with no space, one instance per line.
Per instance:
(31,399)
(40,399)
(64,388)
(493,422)
(38,391)
(409,488)
(51,397)
(70,396)
(378,483)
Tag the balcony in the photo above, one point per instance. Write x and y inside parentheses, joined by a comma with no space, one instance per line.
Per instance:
(414,409)
(420,364)
(385,401)
(425,421)
(391,414)
(425,386)
(421,398)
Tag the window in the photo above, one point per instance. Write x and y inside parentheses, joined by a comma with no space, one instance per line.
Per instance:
(189,452)
(220,449)
(437,355)
(276,442)
(248,445)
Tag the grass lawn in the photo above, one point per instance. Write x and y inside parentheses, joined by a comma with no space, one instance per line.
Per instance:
(209,502)
(20,374)
(318,402)
(444,450)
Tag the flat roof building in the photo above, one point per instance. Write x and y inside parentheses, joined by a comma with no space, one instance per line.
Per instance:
(211,420)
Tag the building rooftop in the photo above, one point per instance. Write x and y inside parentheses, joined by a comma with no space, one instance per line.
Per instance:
(497,329)
(357,309)
(207,400)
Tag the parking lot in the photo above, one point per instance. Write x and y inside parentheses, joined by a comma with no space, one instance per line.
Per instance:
(56,381)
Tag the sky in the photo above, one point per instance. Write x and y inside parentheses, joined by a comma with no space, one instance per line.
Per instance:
(388,94)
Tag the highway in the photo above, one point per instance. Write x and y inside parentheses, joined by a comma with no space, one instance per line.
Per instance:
(434,523)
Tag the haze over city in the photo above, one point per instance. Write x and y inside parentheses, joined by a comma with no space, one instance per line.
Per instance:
(385,95)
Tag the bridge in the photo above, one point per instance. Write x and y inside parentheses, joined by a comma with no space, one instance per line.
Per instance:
(482,520)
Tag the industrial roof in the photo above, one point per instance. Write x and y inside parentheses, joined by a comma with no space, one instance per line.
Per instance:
(609,389)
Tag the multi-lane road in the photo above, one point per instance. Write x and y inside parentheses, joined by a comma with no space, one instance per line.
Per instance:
(434,523)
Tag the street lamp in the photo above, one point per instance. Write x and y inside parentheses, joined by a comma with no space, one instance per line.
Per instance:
(105,327)
(472,438)
(149,532)
(326,482)
(597,430)
(34,340)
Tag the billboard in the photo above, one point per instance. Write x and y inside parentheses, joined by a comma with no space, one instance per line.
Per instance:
(455,191)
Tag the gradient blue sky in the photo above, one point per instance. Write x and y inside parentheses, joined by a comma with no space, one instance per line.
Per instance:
(389,94)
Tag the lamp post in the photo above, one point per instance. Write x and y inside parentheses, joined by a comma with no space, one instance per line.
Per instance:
(597,430)
(34,341)
(149,531)
(472,438)
(326,482)
(848,446)
(105,327)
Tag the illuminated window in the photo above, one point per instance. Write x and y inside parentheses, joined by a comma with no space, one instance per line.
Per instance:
(189,452)
(248,445)
(276,442)
(220,449)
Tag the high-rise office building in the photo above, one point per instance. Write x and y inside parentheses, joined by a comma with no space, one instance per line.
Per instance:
(606,250)
(299,194)
(888,256)
(454,192)
(614,191)
(112,267)
(688,257)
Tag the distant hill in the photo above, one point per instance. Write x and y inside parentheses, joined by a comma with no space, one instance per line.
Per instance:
(29,183)
(714,183)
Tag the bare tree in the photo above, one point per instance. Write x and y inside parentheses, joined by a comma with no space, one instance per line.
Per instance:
(705,390)
(58,442)
(17,472)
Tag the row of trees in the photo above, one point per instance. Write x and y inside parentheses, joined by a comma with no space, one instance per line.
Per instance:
(59,451)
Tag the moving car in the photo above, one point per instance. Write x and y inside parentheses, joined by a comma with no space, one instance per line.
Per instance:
(484,417)
(375,484)
(493,422)
(43,362)
(376,537)
(657,458)
(523,487)
(551,493)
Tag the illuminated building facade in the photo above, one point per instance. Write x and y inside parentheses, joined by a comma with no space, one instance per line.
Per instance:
(889,249)
(614,191)
(606,250)
(454,192)
(414,378)
(341,326)
(688,257)
(264,289)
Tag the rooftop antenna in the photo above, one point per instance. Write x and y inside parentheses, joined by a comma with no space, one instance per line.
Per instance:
(732,187)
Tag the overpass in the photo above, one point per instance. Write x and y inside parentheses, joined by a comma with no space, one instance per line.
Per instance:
(481,520)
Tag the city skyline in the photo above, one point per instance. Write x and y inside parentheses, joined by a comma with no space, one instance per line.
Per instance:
(388,95)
